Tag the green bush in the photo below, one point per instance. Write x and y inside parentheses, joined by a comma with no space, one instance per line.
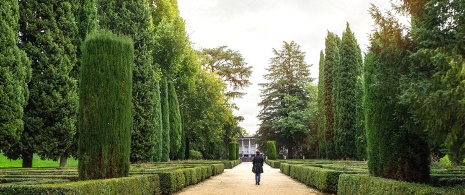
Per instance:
(271,145)
(353,184)
(232,151)
(195,155)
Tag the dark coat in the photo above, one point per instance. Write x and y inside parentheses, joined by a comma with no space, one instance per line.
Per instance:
(258,163)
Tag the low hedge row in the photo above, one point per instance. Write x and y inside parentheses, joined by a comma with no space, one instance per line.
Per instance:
(146,179)
(143,184)
(273,163)
(363,184)
(229,164)
(322,179)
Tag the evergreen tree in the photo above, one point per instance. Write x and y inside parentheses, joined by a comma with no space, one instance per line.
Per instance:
(435,90)
(394,140)
(360,133)
(321,107)
(174,121)
(47,32)
(347,73)
(134,19)
(105,118)
(165,110)
(331,61)
(15,73)
(284,97)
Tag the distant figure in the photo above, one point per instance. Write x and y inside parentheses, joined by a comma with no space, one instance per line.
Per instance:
(257,166)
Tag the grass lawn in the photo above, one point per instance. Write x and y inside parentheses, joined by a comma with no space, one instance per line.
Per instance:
(36,162)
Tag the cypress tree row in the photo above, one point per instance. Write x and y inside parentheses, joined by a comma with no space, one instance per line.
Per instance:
(134,19)
(347,73)
(15,73)
(175,122)
(165,108)
(271,146)
(47,32)
(105,119)
(360,134)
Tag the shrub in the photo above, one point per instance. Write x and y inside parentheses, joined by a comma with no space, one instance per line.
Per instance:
(195,155)
(271,145)
(232,151)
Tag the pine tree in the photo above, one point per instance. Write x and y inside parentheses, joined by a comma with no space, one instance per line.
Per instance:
(175,122)
(348,71)
(105,118)
(284,98)
(47,33)
(15,73)
(134,19)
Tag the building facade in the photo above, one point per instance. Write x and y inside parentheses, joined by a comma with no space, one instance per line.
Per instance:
(247,148)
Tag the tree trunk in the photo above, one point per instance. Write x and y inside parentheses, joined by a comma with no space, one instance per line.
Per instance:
(63,160)
(27,159)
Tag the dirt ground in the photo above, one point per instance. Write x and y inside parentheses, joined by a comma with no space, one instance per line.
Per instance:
(240,181)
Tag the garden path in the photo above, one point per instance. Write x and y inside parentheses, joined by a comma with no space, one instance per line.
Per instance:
(240,181)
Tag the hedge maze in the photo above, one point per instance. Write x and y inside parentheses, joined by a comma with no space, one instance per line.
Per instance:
(153,178)
(351,177)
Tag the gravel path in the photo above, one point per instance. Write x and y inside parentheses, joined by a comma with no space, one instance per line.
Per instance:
(240,181)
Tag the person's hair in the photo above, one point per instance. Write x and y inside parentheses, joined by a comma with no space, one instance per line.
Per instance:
(258,152)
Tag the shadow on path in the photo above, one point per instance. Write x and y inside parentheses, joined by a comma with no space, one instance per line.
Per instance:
(240,181)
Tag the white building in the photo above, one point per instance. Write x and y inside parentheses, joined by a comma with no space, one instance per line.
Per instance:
(247,148)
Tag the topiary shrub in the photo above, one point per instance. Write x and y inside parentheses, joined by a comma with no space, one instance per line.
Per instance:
(271,145)
(232,151)
(105,118)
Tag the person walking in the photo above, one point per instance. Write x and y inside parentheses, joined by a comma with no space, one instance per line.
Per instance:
(257,166)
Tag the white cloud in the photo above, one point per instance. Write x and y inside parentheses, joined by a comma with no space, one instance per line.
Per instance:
(254,27)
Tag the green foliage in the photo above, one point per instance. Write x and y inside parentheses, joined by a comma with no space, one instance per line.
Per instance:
(271,148)
(50,114)
(195,155)
(346,79)
(15,73)
(232,151)
(360,133)
(105,117)
(364,184)
(175,122)
(207,116)
(321,107)
(165,109)
(394,140)
(330,63)
(134,19)
(284,99)
(230,66)
(37,162)
(434,87)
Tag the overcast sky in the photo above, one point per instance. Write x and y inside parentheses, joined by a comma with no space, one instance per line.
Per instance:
(255,27)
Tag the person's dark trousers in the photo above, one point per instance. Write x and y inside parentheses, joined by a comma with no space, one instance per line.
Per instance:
(257,178)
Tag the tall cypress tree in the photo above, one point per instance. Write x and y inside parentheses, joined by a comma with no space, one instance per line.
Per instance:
(47,32)
(175,122)
(347,73)
(105,119)
(15,73)
(360,133)
(331,61)
(165,108)
(134,19)
(321,107)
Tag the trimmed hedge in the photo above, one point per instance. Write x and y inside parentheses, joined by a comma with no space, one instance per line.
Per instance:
(232,151)
(363,184)
(231,163)
(271,146)
(145,184)
(157,178)
(325,180)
